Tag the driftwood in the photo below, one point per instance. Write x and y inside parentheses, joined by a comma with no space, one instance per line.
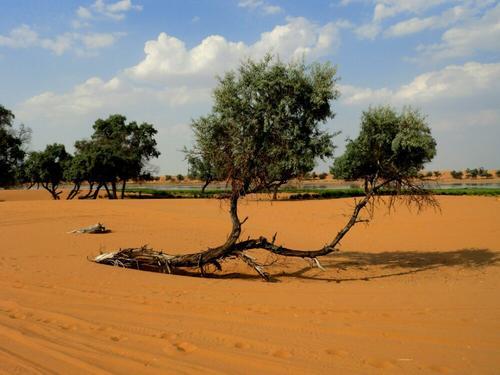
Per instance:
(93,229)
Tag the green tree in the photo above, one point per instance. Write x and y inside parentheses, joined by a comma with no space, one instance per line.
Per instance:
(264,129)
(472,173)
(47,167)
(12,148)
(388,154)
(117,151)
(390,151)
(457,174)
(200,169)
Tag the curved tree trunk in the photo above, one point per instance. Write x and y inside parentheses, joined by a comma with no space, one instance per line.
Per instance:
(110,196)
(52,189)
(74,191)
(144,258)
(96,192)
(89,193)
(207,182)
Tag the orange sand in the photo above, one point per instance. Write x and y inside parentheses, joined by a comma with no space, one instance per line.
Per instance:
(414,294)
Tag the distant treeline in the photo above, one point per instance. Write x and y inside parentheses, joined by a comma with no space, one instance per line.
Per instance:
(116,152)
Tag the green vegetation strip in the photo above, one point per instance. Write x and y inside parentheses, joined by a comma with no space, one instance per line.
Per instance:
(296,194)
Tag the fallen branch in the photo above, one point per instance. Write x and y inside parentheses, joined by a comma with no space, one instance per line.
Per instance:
(93,229)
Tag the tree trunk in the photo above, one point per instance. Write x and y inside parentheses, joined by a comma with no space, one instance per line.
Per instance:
(52,190)
(207,182)
(96,192)
(74,191)
(275,193)
(107,191)
(124,183)
(113,189)
(89,193)
(144,258)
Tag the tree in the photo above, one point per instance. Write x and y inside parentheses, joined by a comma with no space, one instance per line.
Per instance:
(457,174)
(180,177)
(77,171)
(12,147)
(117,151)
(267,116)
(47,168)
(437,174)
(200,168)
(497,173)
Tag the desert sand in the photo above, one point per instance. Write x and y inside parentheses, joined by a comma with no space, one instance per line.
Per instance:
(409,293)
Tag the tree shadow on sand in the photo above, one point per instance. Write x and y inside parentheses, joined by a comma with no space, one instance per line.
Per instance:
(381,265)
(400,263)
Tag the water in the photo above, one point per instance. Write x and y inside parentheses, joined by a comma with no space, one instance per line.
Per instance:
(458,185)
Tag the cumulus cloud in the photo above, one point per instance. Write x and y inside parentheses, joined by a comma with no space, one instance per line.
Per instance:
(113,95)
(480,34)
(472,79)
(461,105)
(185,76)
(172,84)
(168,60)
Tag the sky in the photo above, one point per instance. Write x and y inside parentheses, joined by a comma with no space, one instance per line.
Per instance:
(66,63)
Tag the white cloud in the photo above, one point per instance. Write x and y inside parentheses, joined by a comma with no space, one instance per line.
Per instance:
(187,73)
(272,9)
(477,35)
(84,13)
(171,85)
(20,37)
(115,11)
(451,83)
(416,24)
(100,40)
(265,7)
(59,44)
(390,8)
(25,37)
(368,31)
(168,60)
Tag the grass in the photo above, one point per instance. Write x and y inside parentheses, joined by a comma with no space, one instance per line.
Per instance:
(296,194)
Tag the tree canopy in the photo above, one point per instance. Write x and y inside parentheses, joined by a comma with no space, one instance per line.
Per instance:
(391,147)
(264,128)
(47,167)
(12,150)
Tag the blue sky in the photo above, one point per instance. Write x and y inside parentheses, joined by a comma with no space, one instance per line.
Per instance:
(64,64)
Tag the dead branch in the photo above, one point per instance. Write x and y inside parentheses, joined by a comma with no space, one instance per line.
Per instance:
(92,229)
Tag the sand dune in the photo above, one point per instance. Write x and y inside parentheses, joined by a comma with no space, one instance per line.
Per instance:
(408,294)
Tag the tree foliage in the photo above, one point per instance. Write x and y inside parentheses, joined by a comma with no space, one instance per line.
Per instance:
(117,151)
(47,168)
(389,151)
(264,128)
(12,147)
